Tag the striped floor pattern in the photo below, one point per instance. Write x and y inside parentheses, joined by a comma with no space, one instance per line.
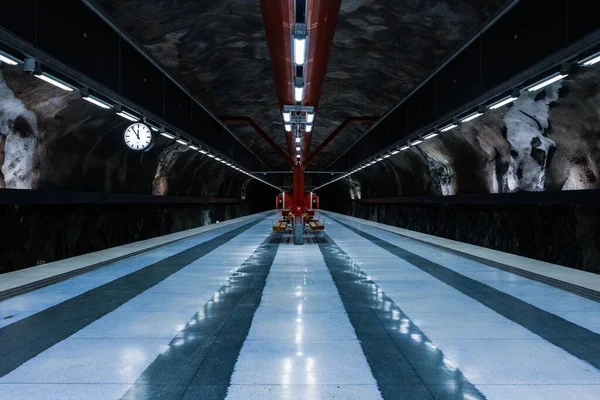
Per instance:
(356,312)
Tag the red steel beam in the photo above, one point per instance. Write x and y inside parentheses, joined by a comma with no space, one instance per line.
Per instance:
(280,152)
(278,18)
(335,132)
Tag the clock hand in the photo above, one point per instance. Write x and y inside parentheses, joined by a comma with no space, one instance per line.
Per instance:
(137,134)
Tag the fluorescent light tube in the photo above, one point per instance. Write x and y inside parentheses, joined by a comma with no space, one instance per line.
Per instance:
(217,158)
(298,93)
(308,128)
(128,116)
(297,140)
(287,116)
(223,161)
(547,81)
(181,142)
(448,127)
(96,101)
(228,164)
(416,142)
(502,102)
(430,135)
(299,51)
(471,117)
(297,148)
(405,147)
(54,81)
(395,152)
(192,147)
(203,151)
(380,159)
(288,127)
(297,155)
(8,59)
(387,155)
(310,117)
(167,135)
(591,60)
(211,155)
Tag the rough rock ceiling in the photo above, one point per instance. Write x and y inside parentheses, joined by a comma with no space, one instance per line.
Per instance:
(381,49)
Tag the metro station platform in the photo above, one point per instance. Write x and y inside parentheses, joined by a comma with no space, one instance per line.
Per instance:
(360,311)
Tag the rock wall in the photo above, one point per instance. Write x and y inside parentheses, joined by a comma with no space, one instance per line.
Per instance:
(546,141)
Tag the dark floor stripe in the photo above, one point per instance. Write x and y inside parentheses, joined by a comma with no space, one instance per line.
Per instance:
(30,336)
(576,340)
(199,362)
(405,363)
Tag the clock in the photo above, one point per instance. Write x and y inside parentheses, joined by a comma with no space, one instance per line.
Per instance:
(138,136)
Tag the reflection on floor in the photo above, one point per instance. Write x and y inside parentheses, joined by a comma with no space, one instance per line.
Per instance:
(355,313)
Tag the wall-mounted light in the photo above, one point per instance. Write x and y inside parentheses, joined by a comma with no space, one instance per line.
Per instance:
(557,76)
(287,116)
(591,60)
(96,101)
(430,135)
(55,81)
(448,127)
(472,116)
(502,102)
(9,59)
(288,127)
(124,114)
(165,134)
(308,128)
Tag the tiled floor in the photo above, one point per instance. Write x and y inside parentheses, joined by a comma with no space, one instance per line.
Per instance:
(355,313)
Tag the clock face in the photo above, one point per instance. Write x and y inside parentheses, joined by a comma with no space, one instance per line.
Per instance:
(138,136)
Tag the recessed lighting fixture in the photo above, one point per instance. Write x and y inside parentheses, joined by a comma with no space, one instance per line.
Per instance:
(547,81)
(299,51)
(8,59)
(287,116)
(165,134)
(471,117)
(128,116)
(297,148)
(181,142)
(192,147)
(416,142)
(405,147)
(502,102)
(288,127)
(591,60)
(297,140)
(430,135)
(203,151)
(55,81)
(96,101)
(448,127)
(308,128)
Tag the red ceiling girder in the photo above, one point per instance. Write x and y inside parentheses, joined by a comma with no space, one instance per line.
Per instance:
(278,17)
(321,18)
(282,154)
(335,132)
